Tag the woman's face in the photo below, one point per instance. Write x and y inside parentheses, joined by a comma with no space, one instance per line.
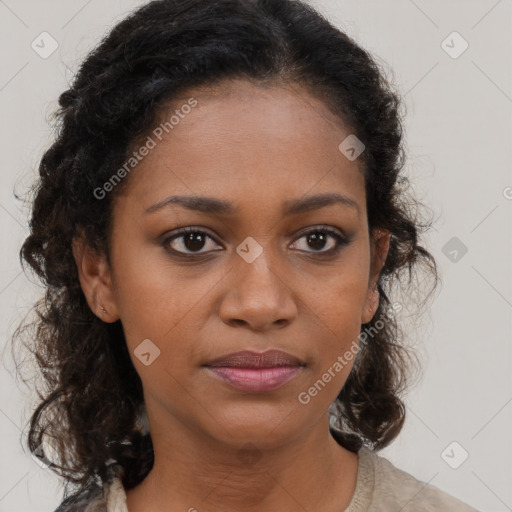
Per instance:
(258,271)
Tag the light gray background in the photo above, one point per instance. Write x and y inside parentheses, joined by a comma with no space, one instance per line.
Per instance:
(458,133)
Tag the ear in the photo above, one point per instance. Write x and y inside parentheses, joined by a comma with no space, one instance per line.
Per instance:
(95,279)
(379,248)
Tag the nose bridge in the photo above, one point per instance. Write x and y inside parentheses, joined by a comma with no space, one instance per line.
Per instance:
(258,295)
(258,273)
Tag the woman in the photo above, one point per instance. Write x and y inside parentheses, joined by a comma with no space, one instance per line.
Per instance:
(219,225)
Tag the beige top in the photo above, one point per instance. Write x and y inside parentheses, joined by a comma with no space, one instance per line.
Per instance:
(380,487)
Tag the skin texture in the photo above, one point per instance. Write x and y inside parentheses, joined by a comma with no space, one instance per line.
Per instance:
(218,448)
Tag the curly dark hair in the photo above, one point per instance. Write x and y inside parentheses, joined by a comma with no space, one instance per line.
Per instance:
(91,401)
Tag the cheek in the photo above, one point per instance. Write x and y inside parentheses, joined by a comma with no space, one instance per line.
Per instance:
(148,295)
(162,302)
(338,319)
(339,300)
(336,309)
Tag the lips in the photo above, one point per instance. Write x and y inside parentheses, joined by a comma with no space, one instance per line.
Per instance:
(255,372)
(249,359)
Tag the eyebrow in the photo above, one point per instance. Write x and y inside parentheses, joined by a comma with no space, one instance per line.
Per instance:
(291,207)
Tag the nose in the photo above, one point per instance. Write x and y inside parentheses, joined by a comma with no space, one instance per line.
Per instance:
(258,298)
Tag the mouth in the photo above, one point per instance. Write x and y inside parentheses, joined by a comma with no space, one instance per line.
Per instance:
(256,372)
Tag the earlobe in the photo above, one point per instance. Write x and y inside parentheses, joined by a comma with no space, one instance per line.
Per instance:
(95,279)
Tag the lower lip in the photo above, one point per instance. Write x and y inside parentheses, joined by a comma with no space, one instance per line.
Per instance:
(256,379)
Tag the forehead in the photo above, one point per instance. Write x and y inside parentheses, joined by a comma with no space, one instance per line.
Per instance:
(244,141)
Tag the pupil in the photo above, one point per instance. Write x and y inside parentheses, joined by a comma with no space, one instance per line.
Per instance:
(317,238)
(189,241)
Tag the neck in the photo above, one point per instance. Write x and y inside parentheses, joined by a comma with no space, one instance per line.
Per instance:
(194,472)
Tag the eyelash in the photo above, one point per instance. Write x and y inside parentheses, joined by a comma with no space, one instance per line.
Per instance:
(341,240)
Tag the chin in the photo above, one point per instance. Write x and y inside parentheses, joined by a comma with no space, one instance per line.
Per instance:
(265,427)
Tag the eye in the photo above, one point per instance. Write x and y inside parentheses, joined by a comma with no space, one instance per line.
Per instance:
(190,241)
(318,238)
(187,241)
